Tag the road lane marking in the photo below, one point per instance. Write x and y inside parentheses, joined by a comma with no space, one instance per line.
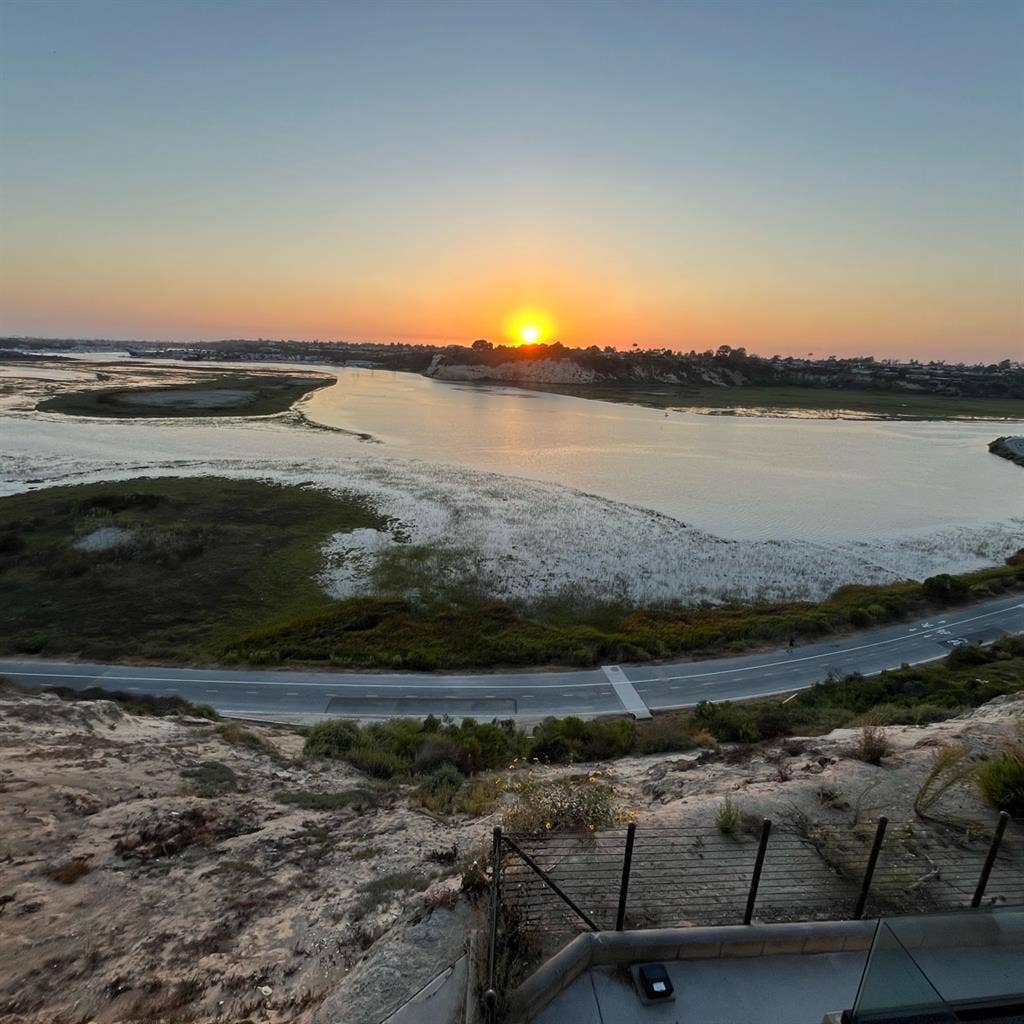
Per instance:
(825,654)
(106,675)
(273,683)
(631,700)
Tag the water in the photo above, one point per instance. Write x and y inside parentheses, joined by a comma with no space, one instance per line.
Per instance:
(738,477)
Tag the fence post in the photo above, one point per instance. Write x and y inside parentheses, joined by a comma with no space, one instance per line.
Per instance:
(491,996)
(869,871)
(627,862)
(755,881)
(990,860)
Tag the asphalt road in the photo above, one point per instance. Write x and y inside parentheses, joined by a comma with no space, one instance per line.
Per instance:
(638,689)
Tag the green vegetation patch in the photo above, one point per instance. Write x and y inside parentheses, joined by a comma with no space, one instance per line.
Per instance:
(440,754)
(199,561)
(1001,781)
(406,747)
(223,395)
(370,632)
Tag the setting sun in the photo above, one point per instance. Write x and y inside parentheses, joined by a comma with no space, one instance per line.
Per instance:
(529,326)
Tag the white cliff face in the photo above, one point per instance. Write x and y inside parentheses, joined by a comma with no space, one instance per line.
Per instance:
(568,371)
(536,371)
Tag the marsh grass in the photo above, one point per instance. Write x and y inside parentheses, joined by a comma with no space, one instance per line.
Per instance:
(256,565)
(427,617)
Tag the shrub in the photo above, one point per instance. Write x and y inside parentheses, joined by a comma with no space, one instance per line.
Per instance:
(727,722)
(334,739)
(861,618)
(474,882)
(381,764)
(581,802)
(446,777)
(1001,781)
(967,656)
(944,589)
(872,746)
(832,798)
(565,740)
(727,818)
(438,791)
(663,734)
(479,797)
(441,752)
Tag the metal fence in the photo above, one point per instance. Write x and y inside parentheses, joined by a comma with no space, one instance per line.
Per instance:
(559,884)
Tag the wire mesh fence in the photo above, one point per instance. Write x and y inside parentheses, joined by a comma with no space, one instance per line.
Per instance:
(696,875)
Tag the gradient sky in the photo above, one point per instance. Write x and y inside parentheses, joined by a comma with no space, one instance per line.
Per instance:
(793,177)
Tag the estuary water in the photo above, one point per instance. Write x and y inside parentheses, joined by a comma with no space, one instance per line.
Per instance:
(738,477)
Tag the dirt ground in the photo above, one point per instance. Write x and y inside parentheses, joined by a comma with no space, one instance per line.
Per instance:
(152,870)
(127,896)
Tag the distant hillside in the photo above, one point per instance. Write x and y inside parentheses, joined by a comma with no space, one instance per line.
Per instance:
(557,365)
(725,367)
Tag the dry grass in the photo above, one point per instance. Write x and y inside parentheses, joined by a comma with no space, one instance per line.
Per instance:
(872,746)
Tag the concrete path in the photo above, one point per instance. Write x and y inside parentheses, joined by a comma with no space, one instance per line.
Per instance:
(311,696)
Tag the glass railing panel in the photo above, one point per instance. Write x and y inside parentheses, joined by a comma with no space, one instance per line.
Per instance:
(975,957)
(893,984)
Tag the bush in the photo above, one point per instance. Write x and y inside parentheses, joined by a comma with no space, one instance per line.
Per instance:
(872,746)
(967,656)
(381,764)
(727,722)
(442,752)
(437,793)
(565,740)
(479,797)
(944,589)
(334,739)
(665,733)
(1001,781)
(582,802)
(446,777)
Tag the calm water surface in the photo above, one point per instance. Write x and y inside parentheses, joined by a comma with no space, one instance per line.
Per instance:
(735,476)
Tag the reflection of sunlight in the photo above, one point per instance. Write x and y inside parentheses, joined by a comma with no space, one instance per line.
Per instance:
(529,326)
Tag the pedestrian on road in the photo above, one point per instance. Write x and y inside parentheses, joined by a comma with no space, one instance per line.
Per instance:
(792,644)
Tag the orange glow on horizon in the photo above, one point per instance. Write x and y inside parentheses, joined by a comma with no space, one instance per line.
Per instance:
(529,326)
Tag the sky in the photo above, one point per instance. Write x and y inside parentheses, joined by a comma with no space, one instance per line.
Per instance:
(791,177)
